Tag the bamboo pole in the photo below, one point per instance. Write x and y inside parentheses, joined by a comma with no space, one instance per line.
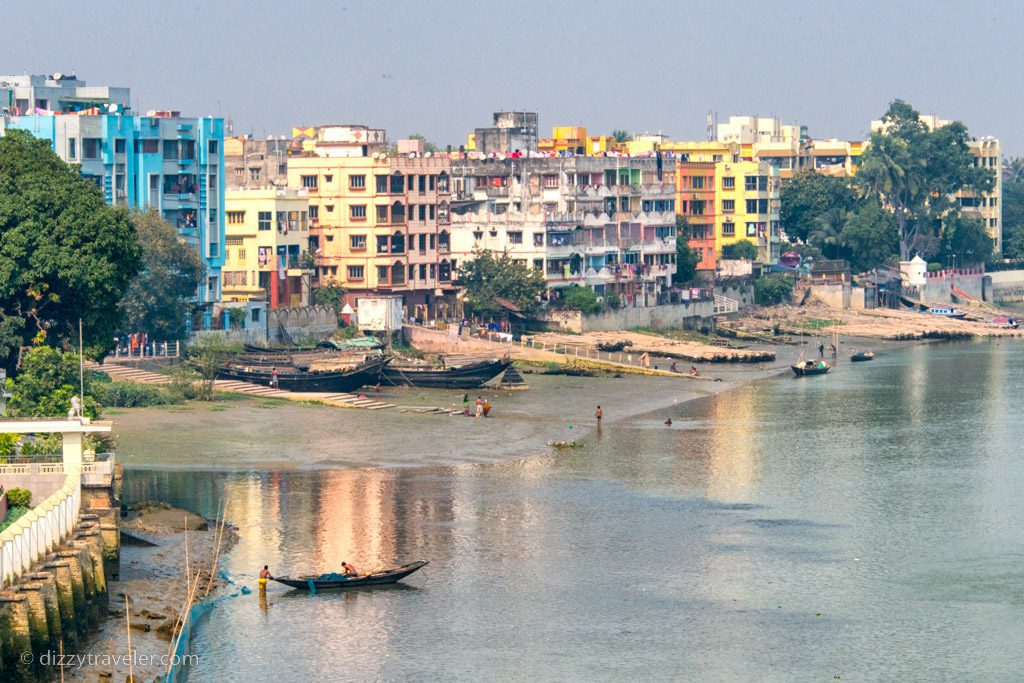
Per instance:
(128,622)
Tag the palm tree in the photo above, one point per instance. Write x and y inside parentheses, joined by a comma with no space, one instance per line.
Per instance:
(1013,170)
(622,136)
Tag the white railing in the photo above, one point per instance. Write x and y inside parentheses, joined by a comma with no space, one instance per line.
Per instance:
(40,530)
(724,304)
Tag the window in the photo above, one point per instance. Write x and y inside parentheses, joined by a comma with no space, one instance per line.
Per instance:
(282,169)
(762,206)
(397,184)
(119,146)
(187,149)
(355,273)
(357,182)
(664,232)
(241,255)
(329,207)
(357,242)
(412,272)
(423,211)
(698,182)
(423,271)
(432,181)
(423,243)
(357,212)
(382,184)
(382,244)
(382,274)
(382,214)
(729,228)
(433,271)
(551,181)
(239,172)
(751,206)
(150,146)
(538,239)
(213,147)
(515,237)
(538,264)
(728,205)
(423,183)
(72,152)
(211,284)
(170,149)
(751,229)
(214,249)
(309,182)
(314,212)
(254,174)
(236,217)
(478,235)
(328,178)
(264,219)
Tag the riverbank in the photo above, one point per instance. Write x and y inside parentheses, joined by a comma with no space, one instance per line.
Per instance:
(153,584)
(257,433)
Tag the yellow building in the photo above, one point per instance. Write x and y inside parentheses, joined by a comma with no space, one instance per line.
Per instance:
(575,140)
(747,193)
(266,247)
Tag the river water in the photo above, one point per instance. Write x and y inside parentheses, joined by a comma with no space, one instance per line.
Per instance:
(864,525)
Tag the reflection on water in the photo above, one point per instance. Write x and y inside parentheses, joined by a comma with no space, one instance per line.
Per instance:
(863,524)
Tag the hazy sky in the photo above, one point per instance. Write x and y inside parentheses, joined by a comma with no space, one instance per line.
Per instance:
(441,67)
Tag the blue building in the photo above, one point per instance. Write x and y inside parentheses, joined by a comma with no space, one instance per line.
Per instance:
(160,160)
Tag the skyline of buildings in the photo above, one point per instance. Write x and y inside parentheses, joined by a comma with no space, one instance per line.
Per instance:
(273,218)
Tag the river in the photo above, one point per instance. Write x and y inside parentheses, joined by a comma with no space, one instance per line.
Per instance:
(864,525)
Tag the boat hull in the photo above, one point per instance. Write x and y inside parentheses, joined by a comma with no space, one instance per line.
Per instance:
(470,376)
(379,579)
(862,357)
(802,371)
(340,381)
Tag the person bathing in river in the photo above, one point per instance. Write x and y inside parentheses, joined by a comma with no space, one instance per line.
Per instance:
(673,367)
(264,575)
(693,371)
(479,407)
(465,405)
(487,407)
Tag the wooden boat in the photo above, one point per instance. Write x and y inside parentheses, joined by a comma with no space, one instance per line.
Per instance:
(811,367)
(290,378)
(468,375)
(862,356)
(1004,321)
(328,581)
(946,311)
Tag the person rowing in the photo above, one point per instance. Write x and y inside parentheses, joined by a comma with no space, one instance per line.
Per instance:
(349,570)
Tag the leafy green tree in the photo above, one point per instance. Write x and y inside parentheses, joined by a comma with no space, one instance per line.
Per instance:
(687,259)
(45,384)
(622,136)
(64,254)
(207,356)
(812,206)
(487,277)
(770,290)
(1013,219)
(743,249)
(581,299)
(915,172)
(158,300)
(332,295)
(868,236)
(1013,170)
(965,241)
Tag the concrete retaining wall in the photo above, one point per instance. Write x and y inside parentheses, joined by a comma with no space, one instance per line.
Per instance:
(686,315)
(938,286)
(302,323)
(836,296)
(1005,286)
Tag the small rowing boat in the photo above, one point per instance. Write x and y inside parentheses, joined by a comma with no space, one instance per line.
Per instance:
(862,356)
(811,367)
(328,581)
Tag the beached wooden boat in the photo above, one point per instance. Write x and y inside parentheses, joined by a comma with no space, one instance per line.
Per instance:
(811,367)
(862,356)
(467,375)
(947,312)
(329,581)
(290,378)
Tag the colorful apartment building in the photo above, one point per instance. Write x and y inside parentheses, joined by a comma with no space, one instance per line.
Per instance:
(603,222)
(748,207)
(266,257)
(575,140)
(378,223)
(162,160)
(251,163)
(696,204)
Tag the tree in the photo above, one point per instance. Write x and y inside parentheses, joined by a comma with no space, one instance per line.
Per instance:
(814,203)
(428,146)
(1013,219)
(965,242)
(687,259)
(743,249)
(770,290)
(916,172)
(207,356)
(47,381)
(332,295)
(622,136)
(159,298)
(64,254)
(1013,170)
(486,277)
(581,299)
(868,235)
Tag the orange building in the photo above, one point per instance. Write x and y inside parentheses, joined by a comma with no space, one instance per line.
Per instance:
(695,201)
